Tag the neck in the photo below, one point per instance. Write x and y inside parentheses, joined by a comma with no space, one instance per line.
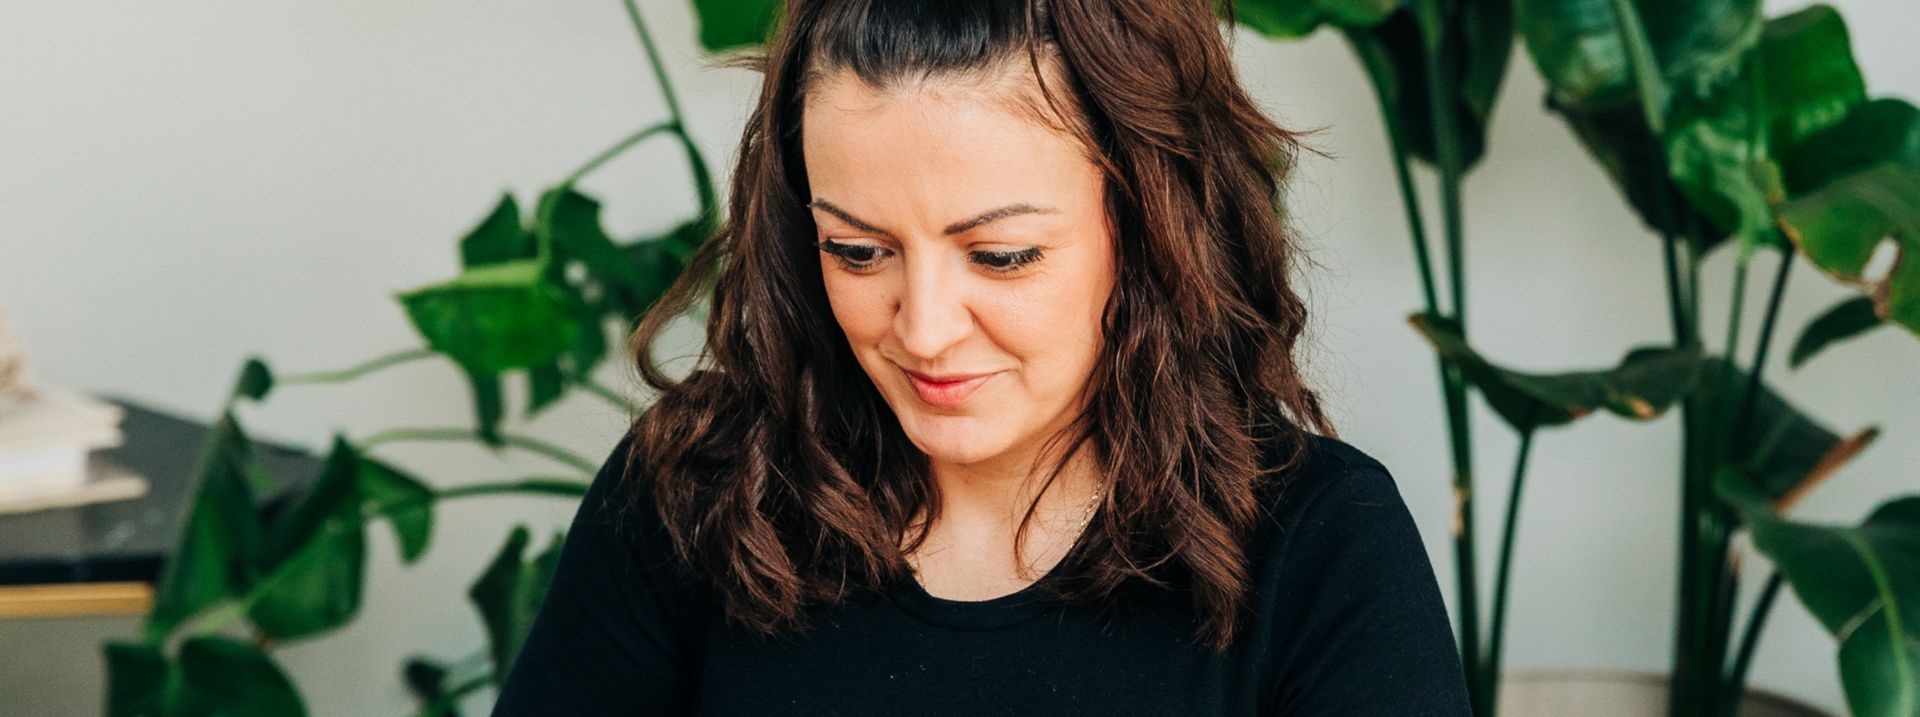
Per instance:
(996,492)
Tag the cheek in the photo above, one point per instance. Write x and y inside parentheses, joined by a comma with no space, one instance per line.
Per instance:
(1053,327)
(860,307)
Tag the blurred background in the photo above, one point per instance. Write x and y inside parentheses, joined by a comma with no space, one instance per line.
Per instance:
(184,184)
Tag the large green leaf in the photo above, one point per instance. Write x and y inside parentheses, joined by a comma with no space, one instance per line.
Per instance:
(314,555)
(509,592)
(231,677)
(571,222)
(1641,387)
(1840,226)
(1290,19)
(1863,583)
(1879,131)
(221,532)
(1479,36)
(498,238)
(1578,46)
(496,317)
(1845,320)
(729,24)
(1723,149)
(1779,447)
(385,488)
(137,676)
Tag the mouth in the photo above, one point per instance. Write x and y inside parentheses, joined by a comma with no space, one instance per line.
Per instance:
(945,391)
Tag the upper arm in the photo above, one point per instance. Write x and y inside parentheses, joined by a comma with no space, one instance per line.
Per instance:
(607,636)
(1369,633)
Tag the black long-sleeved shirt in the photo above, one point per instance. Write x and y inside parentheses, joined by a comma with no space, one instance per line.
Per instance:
(1347,621)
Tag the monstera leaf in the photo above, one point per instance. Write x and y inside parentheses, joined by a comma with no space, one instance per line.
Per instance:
(1862,582)
(1641,387)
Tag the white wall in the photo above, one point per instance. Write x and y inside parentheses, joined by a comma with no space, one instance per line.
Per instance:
(186,183)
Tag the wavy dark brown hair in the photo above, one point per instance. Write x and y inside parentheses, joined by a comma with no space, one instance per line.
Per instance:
(780,472)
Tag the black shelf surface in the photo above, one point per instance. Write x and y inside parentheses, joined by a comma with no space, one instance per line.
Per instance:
(129,540)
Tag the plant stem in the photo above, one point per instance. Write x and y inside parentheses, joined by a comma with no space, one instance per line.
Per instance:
(1735,684)
(609,153)
(357,371)
(1379,68)
(1732,428)
(527,443)
(1440,75)
(1502,571)
(612,396)
(703,181)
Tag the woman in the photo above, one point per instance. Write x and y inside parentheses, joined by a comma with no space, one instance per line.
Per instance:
(999,412)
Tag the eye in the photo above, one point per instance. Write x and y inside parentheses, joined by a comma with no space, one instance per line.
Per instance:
(1006,262)
(854,257)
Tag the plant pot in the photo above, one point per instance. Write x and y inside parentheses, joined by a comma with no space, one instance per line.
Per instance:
(1617,693)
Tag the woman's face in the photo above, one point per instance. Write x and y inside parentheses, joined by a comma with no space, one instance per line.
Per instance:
(967,256)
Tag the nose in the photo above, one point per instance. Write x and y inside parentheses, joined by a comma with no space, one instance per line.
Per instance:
(932,315)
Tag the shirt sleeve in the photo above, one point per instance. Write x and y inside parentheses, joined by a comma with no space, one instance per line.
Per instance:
(1370,633)
(610,635)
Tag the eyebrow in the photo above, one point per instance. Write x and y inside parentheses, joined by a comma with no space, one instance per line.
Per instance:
(952,229)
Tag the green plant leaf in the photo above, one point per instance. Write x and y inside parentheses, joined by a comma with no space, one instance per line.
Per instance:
(489,406)
(315,554)
(137,676)
(1577,45)
(427,679)
(1863,583)
(545,384)
(1641,387)
(1481,33)
(496,317)
(383,487)
(730,24)
(1785,451)
(1882,130)
(255,381)
(1845,320)
(1291,19)
(498,238)
(1723,150)
(573,224)
(509,592)
(221,532)
(234,678)
(1840,226)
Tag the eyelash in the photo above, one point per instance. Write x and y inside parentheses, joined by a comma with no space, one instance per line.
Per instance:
(1008,261)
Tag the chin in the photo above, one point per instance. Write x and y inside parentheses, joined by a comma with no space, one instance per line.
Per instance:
(954,439)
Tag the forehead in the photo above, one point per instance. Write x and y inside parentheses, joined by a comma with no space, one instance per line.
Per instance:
(936,147)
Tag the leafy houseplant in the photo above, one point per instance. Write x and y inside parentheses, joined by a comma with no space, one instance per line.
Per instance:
(532,301)
(1724,130)
(1721,128)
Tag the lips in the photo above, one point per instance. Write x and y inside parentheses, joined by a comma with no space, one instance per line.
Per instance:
(945,391)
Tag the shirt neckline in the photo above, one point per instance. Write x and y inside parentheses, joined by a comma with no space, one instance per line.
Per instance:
(990,614)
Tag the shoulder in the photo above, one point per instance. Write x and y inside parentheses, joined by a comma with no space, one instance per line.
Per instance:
(1330,479)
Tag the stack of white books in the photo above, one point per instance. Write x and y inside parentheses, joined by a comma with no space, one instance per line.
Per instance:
(46,437)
